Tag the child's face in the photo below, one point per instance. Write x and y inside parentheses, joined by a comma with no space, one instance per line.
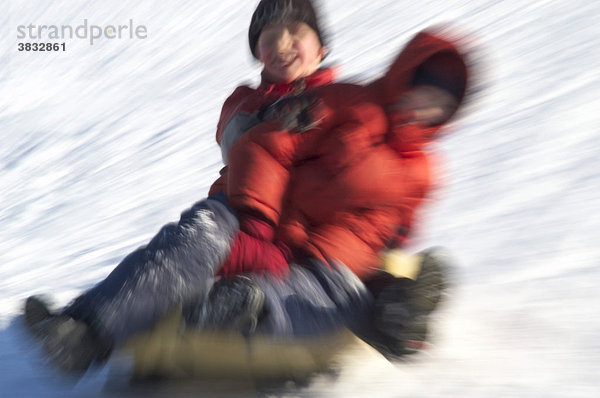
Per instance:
(289,51)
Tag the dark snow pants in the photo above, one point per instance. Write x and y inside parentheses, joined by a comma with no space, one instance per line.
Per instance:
(316,299)
(178,267)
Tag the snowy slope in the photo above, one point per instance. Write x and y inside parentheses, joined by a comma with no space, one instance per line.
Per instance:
(102,144)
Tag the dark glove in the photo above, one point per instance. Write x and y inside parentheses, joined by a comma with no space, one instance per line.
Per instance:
(296,114)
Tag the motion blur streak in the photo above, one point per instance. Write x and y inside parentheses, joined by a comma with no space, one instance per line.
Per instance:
(101,145)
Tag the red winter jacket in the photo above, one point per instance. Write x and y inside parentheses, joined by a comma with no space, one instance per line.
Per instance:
(339,188)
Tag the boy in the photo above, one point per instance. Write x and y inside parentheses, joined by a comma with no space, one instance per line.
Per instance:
(345,163)
(291,53)
(294,148)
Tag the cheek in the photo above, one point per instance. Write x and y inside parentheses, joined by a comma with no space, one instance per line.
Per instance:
(311,50)
(305,51)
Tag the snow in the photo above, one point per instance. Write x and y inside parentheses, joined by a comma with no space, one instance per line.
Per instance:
(102,144)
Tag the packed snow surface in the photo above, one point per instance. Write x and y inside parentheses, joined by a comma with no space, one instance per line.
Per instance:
(103,143)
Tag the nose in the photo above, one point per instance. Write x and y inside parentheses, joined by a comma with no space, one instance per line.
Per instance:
(284,42)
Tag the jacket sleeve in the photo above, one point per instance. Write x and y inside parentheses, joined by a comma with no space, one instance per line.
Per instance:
(259,171)
(233,105)
(220,184)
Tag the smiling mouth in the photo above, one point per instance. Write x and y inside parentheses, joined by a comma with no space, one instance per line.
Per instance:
(285,63)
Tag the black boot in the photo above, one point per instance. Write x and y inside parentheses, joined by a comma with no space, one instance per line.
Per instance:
(403,307)
(233,304)
(70,345)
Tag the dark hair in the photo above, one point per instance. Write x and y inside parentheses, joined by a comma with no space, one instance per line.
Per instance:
(273,11)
